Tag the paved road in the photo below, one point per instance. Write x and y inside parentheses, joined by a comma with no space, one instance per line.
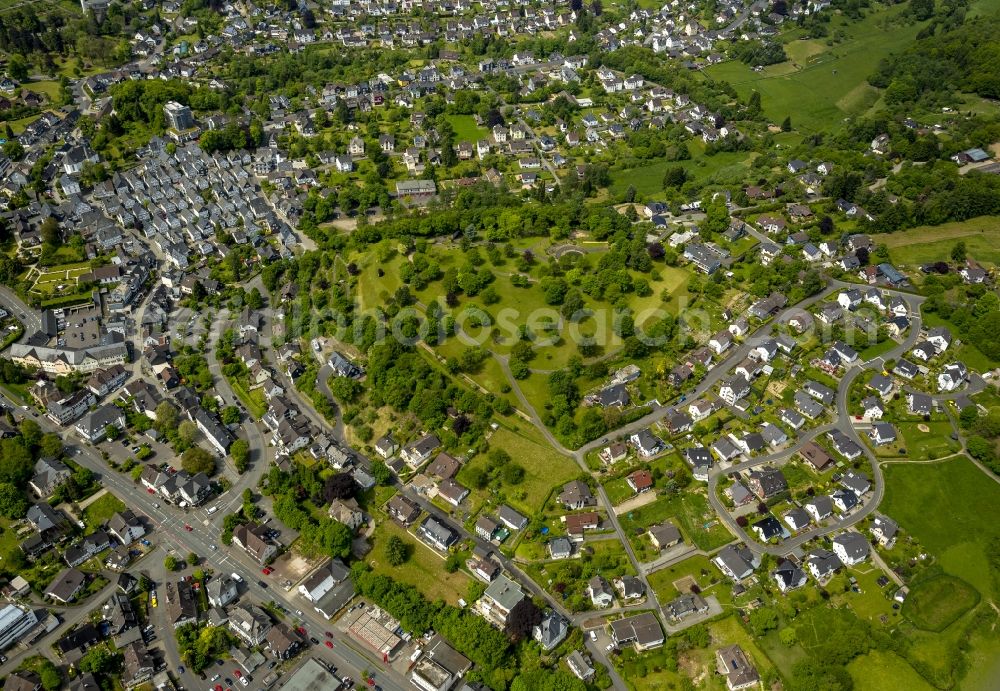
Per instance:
(249,428)
(68,616)
(31,318)
(168,530)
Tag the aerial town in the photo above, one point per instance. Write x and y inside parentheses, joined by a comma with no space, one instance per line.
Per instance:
(499,345)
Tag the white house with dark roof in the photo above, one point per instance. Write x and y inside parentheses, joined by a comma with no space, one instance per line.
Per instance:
(851,548)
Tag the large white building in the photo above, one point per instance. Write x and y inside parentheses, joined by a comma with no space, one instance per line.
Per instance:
(66,360)
(14,623)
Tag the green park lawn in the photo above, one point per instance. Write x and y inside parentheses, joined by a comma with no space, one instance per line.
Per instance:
(936,603)
(424,569)
(831,82)
(923,446)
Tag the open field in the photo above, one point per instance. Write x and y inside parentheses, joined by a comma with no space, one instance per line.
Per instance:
(466,128)
(830,82)
(648,179)
(101,510)
(696,566)
(959,491)
(424,569)
(936,603)
(885,671)
(924,446)
(925,244)
(544,469)
(689,511)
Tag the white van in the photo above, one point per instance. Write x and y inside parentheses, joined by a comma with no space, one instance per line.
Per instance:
(236,577)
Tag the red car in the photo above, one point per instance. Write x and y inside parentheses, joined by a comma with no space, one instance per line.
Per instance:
(328,644)
(301,630)
(188,527)
(150,490)
(238,673)
(266,570)
(218,687)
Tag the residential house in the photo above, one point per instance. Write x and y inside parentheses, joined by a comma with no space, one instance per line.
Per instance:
(851,548)
(822,564)
(511,518)
(640,481)
(819,507)
(49,474)
(737,563)
(884,530)
(253,539)
(560,548)
(642,630)
(646,443)
(952,376)
(126,527)
(816,456)
(221,591)
(437,533)
(419,451)
(501,596)
(66,586)
(788,576)
(403,510)
(180,604)
(739,671)
(601,594)
(767,482)
(664,535)
(797,519)
(882,433)
(250,623)
(551,631)
(576,495)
